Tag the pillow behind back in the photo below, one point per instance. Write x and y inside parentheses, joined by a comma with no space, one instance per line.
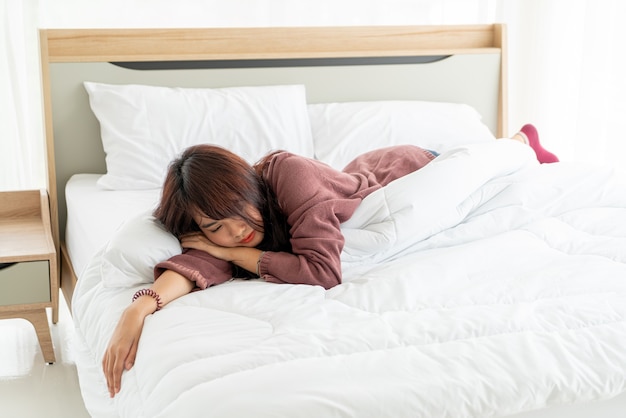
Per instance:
(144,128)
(342,131)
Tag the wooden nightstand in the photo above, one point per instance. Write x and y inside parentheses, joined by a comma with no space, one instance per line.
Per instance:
(28,263)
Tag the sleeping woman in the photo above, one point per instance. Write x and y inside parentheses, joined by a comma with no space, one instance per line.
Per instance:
(279,220)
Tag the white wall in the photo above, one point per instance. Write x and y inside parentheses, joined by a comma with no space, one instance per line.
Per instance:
(190,13)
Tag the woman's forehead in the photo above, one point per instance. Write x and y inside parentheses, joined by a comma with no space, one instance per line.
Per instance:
(200,216)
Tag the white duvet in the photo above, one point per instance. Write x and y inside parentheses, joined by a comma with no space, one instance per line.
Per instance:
(482,285)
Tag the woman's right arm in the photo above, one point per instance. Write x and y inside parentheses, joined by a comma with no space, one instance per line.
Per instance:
(122,349)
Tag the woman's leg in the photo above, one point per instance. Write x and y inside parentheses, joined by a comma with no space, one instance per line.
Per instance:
(529,135)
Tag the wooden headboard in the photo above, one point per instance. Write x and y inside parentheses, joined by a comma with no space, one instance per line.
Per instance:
(463,64)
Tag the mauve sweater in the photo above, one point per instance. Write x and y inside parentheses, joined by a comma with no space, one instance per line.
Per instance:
(316,199)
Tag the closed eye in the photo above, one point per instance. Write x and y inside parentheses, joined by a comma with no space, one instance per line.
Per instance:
(211,224)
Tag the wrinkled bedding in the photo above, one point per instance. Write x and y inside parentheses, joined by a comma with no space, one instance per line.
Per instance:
(483,285)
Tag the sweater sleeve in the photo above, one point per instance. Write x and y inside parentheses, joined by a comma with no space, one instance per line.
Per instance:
(316,200)
(197,266)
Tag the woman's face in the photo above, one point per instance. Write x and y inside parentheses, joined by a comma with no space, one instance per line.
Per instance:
(231,232)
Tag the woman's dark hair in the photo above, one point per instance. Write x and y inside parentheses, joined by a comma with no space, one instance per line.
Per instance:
(220,184)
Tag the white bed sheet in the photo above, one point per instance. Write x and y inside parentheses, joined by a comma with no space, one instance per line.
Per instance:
(515,301)
(94,214)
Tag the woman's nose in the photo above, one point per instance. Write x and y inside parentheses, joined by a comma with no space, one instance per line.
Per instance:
(238,231)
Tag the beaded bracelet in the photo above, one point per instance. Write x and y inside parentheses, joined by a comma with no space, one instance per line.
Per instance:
(258,263)
(149,292)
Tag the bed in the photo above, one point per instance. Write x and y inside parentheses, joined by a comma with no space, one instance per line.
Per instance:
(483,285)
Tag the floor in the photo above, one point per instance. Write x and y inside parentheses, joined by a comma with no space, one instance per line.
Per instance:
(30,388)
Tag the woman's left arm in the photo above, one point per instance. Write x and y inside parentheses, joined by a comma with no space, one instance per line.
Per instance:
(316,199)
(244,257)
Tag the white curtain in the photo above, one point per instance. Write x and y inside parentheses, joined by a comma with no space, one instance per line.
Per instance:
(22,163)
(568,75)
(566,60)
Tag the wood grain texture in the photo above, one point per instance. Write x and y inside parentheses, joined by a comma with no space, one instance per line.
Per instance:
(80,45)
(38,317)
(25,226)
(26,235)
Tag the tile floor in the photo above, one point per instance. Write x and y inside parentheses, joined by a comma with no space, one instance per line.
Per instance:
(30,388)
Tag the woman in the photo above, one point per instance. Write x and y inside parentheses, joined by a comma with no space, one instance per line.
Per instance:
(279,220)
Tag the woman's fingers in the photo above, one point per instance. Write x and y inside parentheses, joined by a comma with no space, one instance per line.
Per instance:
(115,374)
(116,360)
(122,350)
(130,358)
(105,369)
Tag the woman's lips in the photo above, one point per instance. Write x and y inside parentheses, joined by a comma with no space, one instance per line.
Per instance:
(248,238)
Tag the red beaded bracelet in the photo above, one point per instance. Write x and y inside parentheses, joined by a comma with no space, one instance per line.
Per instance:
(149,292)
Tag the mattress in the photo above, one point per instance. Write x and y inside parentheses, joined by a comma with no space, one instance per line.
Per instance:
(504,295)
(94,214)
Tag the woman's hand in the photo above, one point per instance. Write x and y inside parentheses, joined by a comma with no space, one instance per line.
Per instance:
(244,257)
(122,349)
(199,241)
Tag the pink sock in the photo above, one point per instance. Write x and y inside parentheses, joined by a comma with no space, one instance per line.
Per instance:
(543,155)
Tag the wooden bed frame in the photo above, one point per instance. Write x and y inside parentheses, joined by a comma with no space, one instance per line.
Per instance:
(73,148)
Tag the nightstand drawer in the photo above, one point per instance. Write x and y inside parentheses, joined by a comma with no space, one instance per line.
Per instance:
(25,282)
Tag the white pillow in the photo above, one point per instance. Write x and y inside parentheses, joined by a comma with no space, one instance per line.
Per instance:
(144,127)
(133,251)
(342,131)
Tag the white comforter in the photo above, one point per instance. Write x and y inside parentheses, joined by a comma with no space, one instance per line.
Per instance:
(482,285)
